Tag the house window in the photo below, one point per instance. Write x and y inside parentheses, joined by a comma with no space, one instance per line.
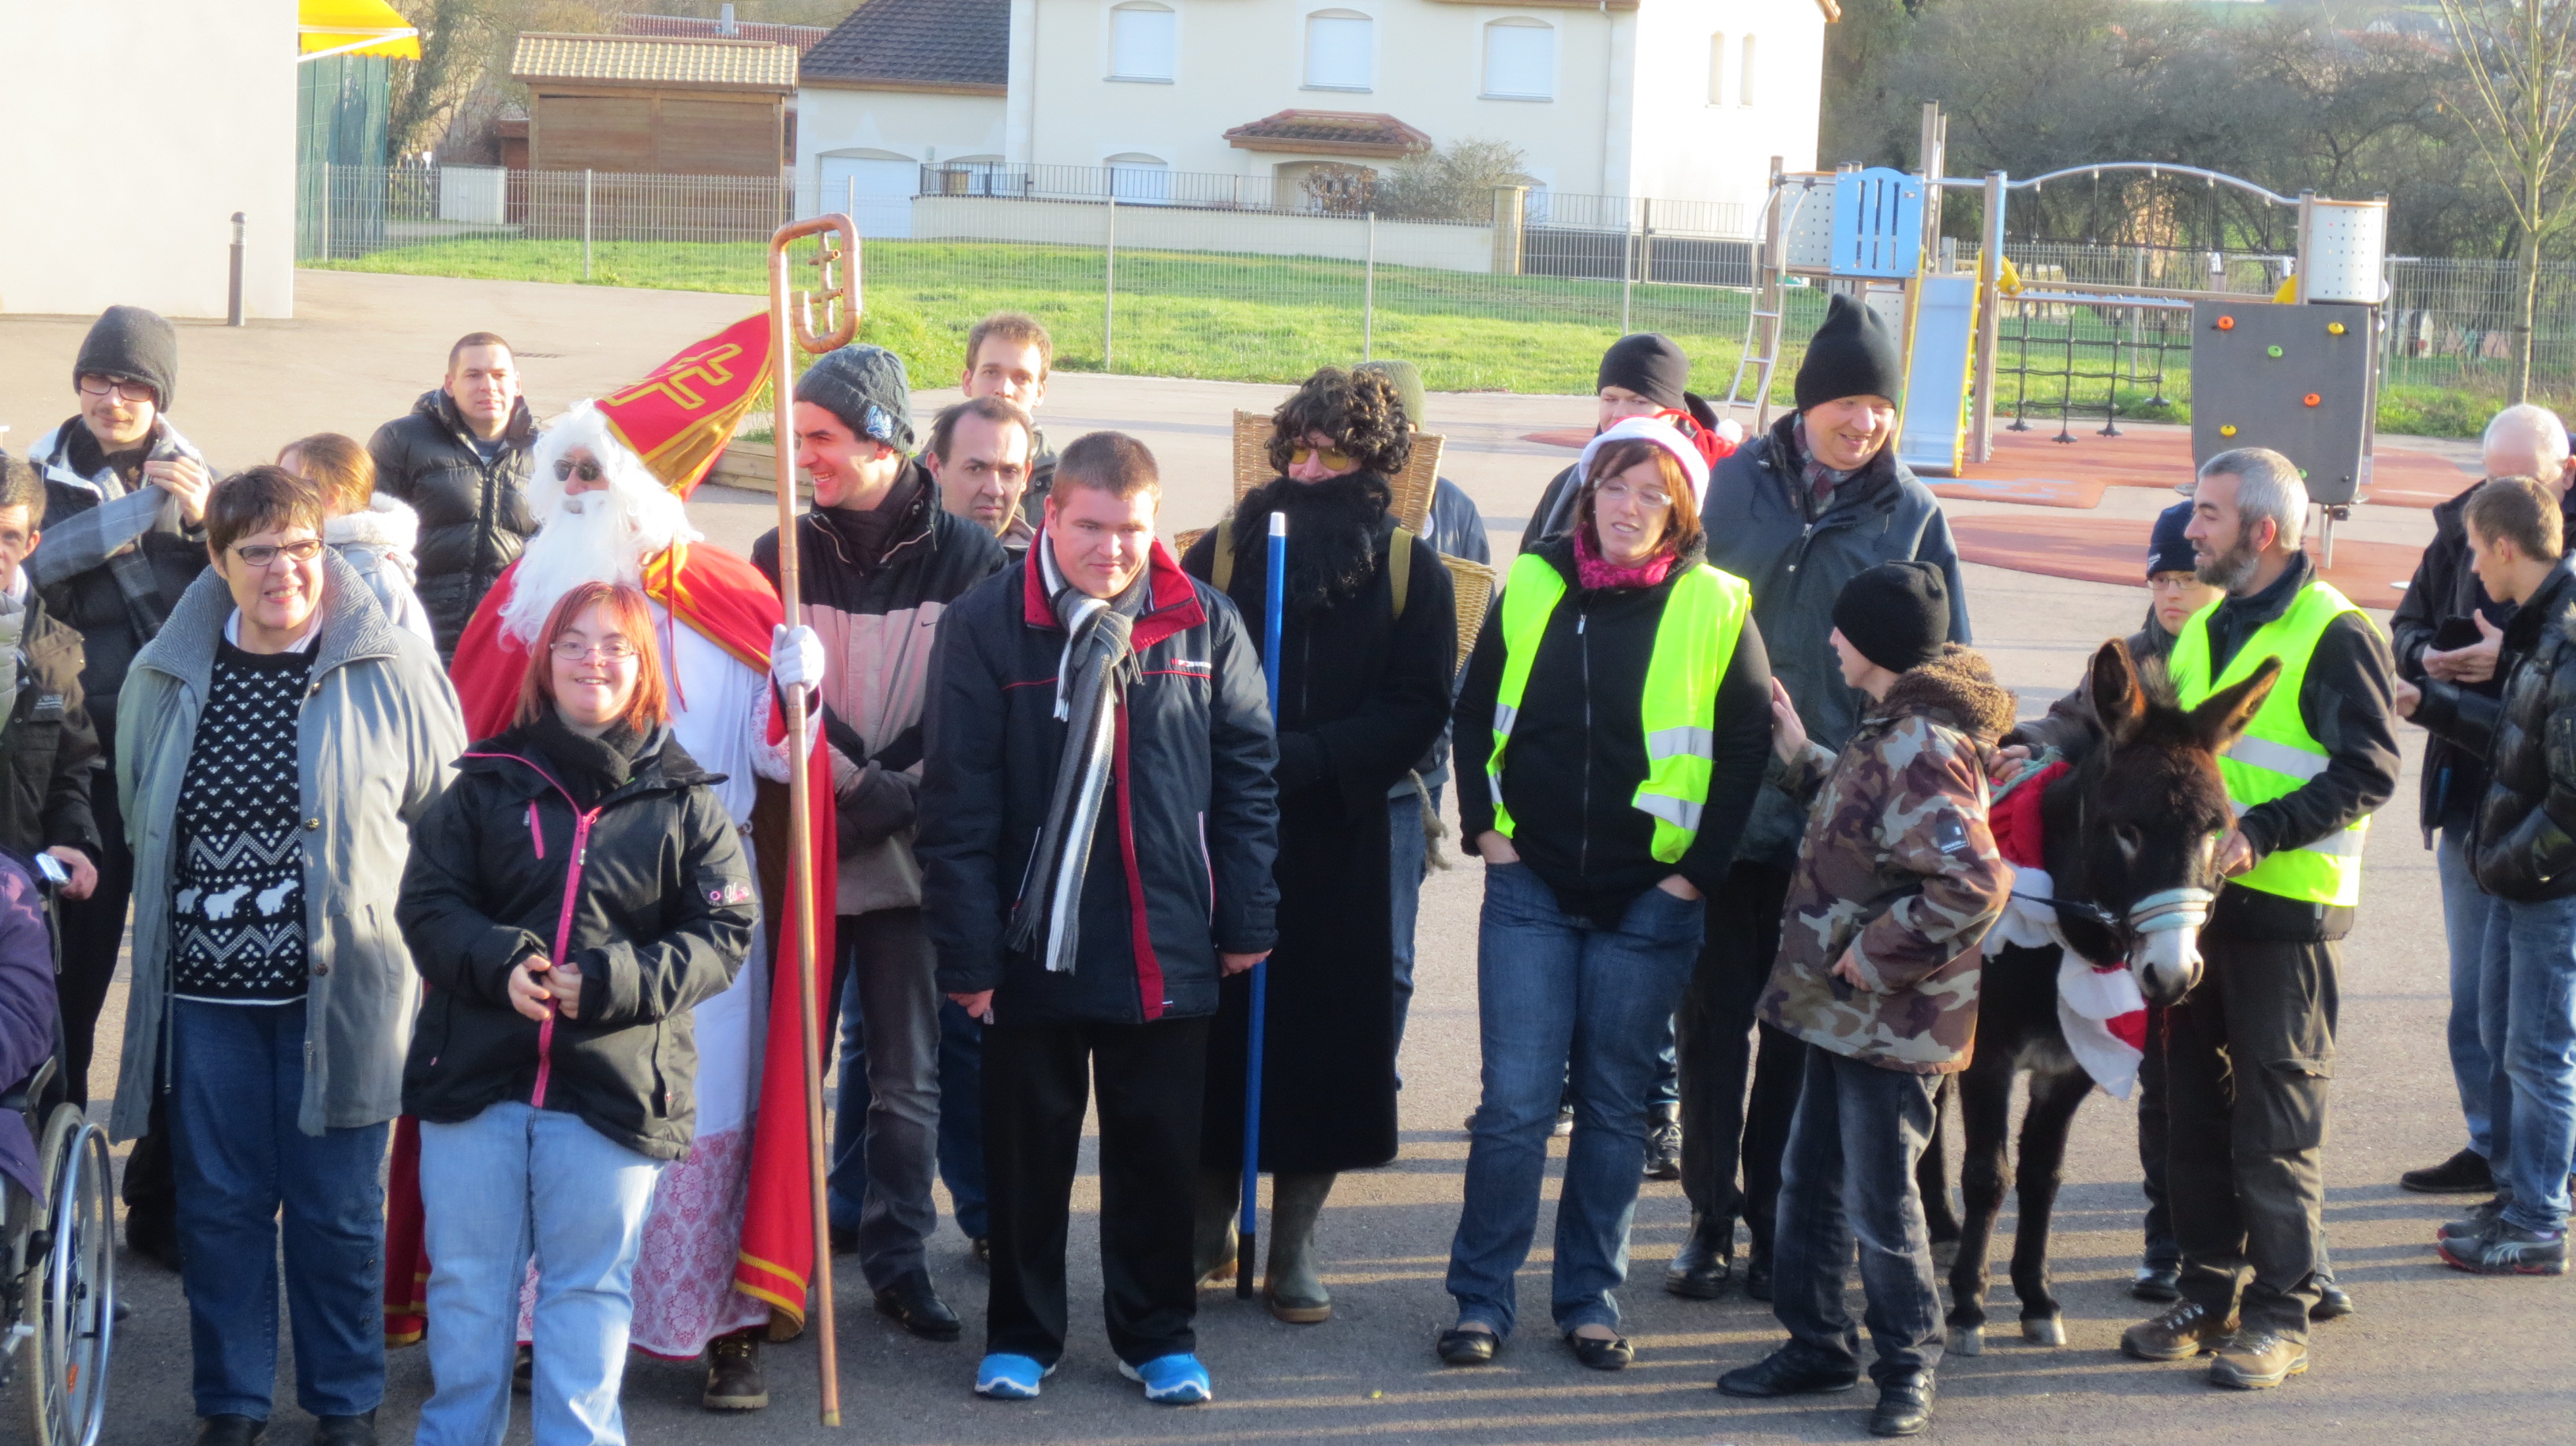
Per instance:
(1140,42)
(1337,50)
(1717,68)
(1520,60)
(1744,85)
(1140,178)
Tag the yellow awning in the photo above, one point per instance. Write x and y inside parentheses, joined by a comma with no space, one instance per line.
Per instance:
(355,27)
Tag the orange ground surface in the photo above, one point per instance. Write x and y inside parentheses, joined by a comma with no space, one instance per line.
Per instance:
(2114,550)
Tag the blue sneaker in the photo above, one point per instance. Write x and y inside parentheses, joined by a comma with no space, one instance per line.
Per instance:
(1171,1380)
(1010,1378)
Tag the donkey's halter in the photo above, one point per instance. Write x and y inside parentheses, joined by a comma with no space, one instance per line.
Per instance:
(2157,913)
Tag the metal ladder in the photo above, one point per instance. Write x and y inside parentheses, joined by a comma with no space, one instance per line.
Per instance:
(1762,319)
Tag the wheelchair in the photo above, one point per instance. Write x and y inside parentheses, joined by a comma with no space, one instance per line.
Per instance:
(58,1253)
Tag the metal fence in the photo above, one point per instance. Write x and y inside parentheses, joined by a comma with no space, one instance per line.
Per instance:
(1250,278)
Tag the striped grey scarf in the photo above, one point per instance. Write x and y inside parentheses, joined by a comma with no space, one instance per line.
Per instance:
(1046,922)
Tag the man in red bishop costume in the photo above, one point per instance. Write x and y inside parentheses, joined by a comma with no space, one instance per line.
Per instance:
(729,1239)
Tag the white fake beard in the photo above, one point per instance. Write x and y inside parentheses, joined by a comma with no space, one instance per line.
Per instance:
(592,537)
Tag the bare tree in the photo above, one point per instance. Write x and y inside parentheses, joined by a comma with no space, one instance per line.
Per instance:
(2517,94)
(465,45)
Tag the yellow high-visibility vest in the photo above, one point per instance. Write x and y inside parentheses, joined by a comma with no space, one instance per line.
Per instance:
(1695,639)
(2277,754)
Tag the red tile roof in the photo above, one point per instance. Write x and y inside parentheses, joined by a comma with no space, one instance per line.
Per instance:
(1330,132)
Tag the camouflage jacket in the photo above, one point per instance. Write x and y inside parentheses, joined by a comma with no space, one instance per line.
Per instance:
(1897,870)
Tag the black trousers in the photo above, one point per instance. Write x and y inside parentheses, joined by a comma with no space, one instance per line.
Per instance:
(93,930)
(1151,1080)
(1723,1134)
(2248,1055)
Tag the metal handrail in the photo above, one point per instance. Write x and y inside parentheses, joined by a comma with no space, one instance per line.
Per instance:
(2153,168)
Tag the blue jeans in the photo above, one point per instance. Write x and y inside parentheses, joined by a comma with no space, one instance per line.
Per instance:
(511,1184)
(961,1118)
(2465,907)
(1562,1001)
(2528,1008)
(1849,1176)
(1409,857)
(237,1084)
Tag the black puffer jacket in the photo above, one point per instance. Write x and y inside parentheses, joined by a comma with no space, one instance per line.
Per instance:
(1762,529)
(1578,749)
(662,912)
(474,515)
(2523,844)
(1181,862)
(49,754)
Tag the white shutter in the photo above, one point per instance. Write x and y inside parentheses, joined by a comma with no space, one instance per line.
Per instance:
(1337,51)
(1140,42)
(1520,60)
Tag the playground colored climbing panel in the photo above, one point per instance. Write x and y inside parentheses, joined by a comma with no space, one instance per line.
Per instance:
(2292,378)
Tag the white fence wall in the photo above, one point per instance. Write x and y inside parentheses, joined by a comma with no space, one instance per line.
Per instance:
(1151,227)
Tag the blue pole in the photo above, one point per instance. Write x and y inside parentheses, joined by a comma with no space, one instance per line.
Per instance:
(1274,604)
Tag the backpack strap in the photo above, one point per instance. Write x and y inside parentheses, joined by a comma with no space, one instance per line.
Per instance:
(1399,567)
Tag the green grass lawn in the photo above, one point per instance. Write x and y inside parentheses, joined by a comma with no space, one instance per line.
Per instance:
(1275,319)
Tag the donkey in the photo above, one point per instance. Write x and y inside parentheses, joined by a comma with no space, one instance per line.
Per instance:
(2131,840)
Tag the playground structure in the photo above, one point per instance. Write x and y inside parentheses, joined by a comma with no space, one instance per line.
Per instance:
(2298,371)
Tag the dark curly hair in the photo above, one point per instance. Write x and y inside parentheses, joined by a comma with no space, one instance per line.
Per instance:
(1361,411)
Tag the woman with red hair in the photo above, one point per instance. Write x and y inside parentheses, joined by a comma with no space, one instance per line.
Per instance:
(574,894)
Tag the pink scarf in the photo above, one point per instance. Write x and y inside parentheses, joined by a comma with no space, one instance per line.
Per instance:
(1595,571)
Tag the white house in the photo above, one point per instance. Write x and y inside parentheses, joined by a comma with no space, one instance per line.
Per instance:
(1678,100)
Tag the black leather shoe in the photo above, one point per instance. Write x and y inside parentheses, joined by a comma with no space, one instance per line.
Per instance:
(156,1242)
(229,1431)
(915,1306)
(1904,1405)
(523,1372)
(980,1249)
(1780,1374)
(1757,1277)
(1603,1354)
(845,1240)
(345,1430)
(2465,1173)
(1700,1270)
(1467,1348)
(2157,1283)
(2333,1302)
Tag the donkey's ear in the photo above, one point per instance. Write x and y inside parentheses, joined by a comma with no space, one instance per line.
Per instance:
(2118,700)
(2224,714)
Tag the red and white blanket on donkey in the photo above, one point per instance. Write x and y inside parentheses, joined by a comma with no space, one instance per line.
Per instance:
(2099,1006)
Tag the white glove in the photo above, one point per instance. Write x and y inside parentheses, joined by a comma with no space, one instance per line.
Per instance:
(795,657)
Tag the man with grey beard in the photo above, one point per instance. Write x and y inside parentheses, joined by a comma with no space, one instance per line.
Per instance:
(2248,1052)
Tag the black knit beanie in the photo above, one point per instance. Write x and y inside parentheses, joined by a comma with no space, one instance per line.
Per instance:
(1897,614)
(1852,355)
(2167,549)
(864,386)
(1648,363)
(129,342)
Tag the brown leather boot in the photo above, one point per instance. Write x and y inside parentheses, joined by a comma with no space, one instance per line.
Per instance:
(2256,1360)
(2183,1331)
(733,1374)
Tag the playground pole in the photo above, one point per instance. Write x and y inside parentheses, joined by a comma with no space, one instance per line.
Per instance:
(1990,262)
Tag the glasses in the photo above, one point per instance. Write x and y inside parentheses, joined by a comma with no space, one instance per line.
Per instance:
(1335,460)
(1622,492)
(566,471)
(261,554)
(123,391)
(574,650)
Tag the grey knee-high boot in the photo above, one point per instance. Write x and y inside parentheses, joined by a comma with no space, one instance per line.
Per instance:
(1212,1235)
(1295,1292)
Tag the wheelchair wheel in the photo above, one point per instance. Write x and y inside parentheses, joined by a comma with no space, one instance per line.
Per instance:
(70,1313)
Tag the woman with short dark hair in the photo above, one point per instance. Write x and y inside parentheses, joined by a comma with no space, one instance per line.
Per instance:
(1611,733)
(576,893)
(277,743)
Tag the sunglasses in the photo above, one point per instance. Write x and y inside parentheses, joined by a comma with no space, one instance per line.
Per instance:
(1334,459)
(588,471)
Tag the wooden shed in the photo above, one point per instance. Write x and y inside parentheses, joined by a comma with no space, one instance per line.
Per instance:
(656,105)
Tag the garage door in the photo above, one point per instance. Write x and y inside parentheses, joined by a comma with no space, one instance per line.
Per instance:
(877,193)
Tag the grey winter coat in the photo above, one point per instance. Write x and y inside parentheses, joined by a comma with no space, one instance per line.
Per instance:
(1759,530)
(378,738)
